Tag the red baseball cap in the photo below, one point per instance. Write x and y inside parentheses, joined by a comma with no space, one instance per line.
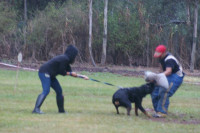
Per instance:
(160,49)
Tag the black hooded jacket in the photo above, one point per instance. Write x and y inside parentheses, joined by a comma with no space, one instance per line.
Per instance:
(61,63)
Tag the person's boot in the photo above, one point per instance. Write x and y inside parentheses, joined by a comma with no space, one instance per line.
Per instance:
(38,104)
(159,115)
(60,104)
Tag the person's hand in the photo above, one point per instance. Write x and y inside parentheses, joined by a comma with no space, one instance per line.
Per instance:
(82,76)
(74,74)
(85,77)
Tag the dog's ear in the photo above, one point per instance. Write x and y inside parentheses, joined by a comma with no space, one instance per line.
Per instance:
(149,87)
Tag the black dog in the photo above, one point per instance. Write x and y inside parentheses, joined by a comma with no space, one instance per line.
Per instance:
(125,96)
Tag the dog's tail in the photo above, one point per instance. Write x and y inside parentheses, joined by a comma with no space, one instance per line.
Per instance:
(116,103)
(115,100)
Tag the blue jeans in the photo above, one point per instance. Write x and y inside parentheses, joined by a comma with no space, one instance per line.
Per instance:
(160,96)
(48,82)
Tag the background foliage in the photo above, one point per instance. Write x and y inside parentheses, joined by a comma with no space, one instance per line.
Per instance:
(135,28)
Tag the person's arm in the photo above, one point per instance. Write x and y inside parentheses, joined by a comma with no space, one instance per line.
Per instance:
(74,74)
(170,64)
(160,68)
(168,71)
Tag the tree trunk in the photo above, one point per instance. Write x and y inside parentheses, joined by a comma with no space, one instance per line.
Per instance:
(63,42)
(25,20)
(46,43)
(90,32)
(194,37)
(33,54)
(130,59)
(147,41)
(188,12)
(24,26)
(148,49)
(103,58)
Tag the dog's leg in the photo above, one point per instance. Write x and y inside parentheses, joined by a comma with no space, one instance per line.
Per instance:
(116,103)
(128,107)
(147,114)
(136,110)
(144,111)
(128,110)
(117,109)
(139,104)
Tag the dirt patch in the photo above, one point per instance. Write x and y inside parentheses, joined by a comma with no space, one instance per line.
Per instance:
(125,71)
(177,121)
(175,118)
(121,70)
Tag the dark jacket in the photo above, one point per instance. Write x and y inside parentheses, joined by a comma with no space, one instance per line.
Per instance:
(61,63)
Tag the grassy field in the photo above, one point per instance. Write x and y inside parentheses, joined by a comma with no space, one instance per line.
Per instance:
(89,107)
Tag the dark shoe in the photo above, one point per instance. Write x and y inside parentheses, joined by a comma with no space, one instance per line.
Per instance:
(65,112)
(38,104)
(60,104)
(37,111)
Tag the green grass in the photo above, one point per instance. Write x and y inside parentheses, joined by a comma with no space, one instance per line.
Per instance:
(89,107)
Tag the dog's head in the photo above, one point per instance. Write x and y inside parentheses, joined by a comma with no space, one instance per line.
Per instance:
(149,87)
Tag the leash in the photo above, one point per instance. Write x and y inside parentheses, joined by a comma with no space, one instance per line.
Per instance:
(101,82)
(106,83)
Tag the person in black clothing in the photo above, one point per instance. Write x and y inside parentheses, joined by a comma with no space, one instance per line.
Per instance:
(59,65)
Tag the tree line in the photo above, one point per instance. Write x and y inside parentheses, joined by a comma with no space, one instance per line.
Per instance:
(119,32)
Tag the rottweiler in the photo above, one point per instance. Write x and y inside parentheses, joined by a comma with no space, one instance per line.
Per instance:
(125,96)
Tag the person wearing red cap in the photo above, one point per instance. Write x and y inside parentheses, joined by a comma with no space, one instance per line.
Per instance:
(174,73)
